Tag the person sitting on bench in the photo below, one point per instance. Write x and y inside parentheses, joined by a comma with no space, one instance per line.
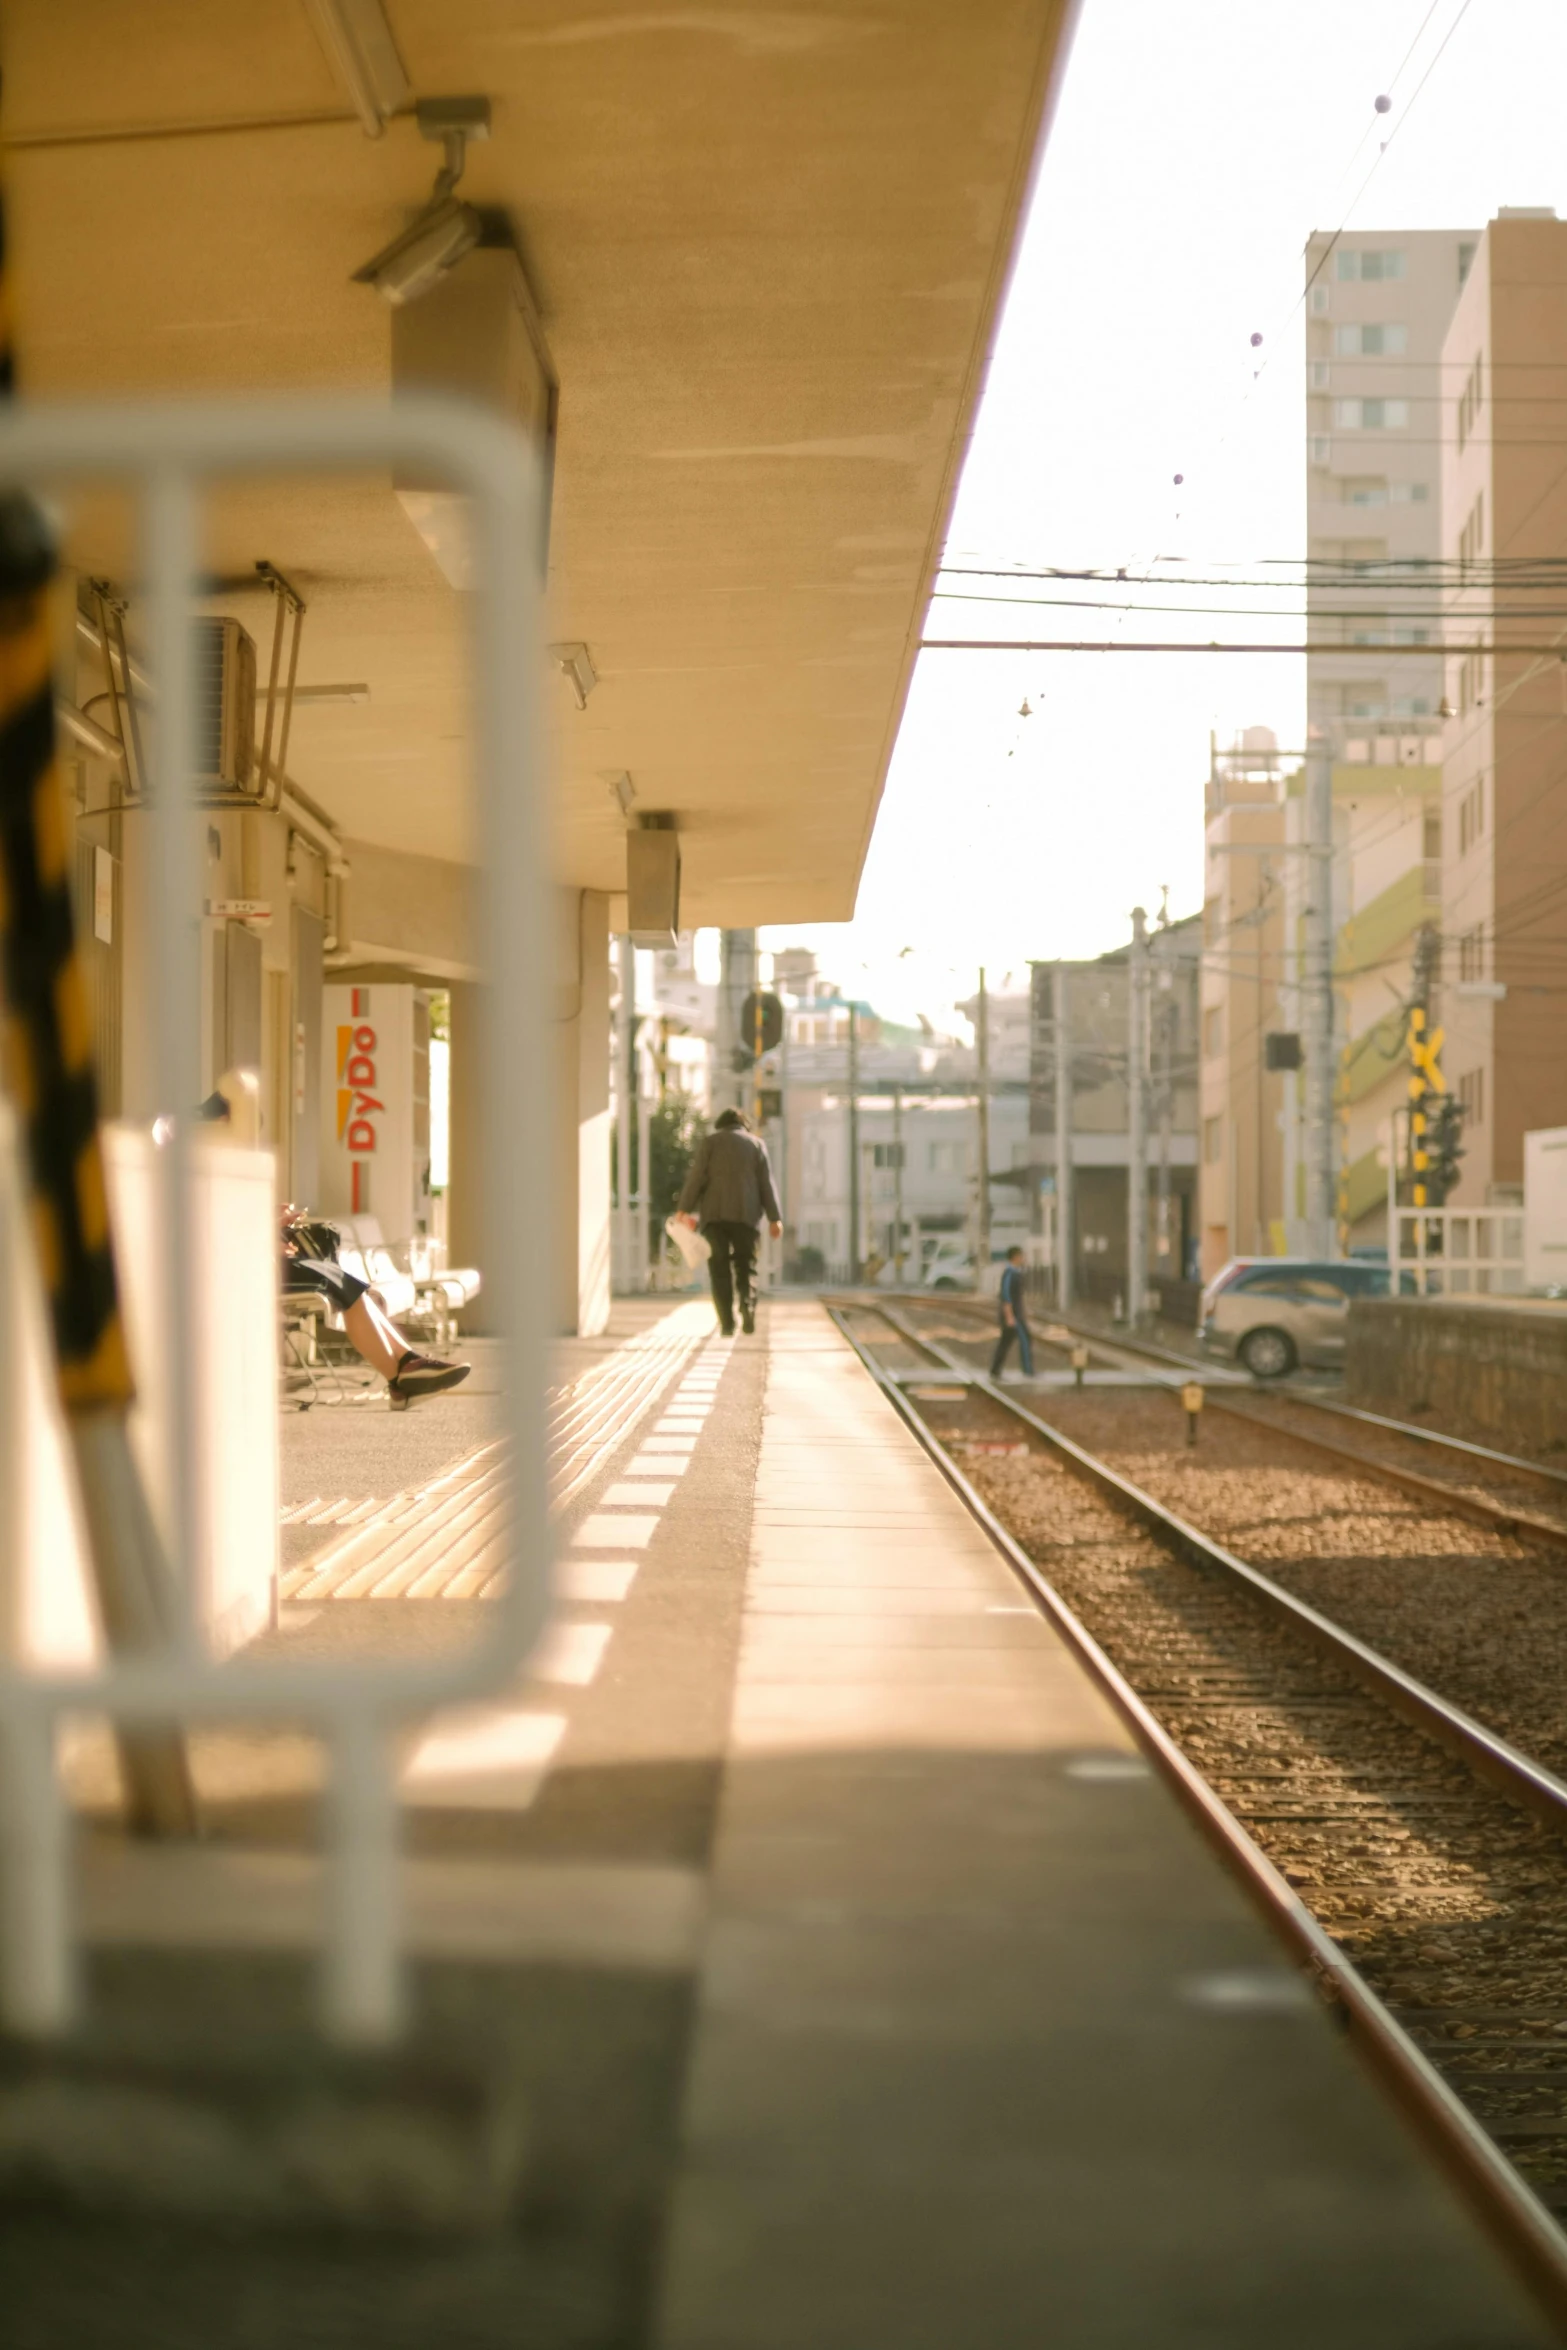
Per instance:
(310,1263)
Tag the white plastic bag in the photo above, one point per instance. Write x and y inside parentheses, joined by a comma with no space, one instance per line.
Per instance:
(692,1246)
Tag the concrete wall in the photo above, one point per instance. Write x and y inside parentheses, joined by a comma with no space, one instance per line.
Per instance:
(419,911)
(1496,1370)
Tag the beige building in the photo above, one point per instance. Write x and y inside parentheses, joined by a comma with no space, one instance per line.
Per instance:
(1240,1142)
(1378,303)
(1378,306)
(747,343)
(1504,800)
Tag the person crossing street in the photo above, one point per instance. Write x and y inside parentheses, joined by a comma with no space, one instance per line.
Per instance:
(1014,1318)
(727,1191)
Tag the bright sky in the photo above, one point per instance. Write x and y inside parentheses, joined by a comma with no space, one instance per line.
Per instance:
(1193,152)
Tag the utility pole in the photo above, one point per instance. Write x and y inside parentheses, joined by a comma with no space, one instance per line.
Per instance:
(731,1058)
(1137,1122)
(1166,1013)
(1060,1018)
(854,1145)
(982,1210)
(1317,1000)
(626,957)
(754,1040)
(897,1185)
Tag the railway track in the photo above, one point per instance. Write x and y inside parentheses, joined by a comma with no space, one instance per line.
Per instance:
(1414,1854)
(1494,1489)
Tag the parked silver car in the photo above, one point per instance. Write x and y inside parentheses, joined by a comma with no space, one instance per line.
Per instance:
(1274,1313)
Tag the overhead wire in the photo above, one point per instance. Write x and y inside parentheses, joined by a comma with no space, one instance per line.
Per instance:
(1496,615)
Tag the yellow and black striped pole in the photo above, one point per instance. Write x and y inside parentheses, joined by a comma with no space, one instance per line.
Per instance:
(47,1060)
(46,1066)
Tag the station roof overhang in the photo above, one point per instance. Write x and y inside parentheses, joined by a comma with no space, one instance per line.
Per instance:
(768,247)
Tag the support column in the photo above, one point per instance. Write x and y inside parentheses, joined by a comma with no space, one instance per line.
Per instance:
(465,1204)
(623,1254)
(572,1130)
(582,1114)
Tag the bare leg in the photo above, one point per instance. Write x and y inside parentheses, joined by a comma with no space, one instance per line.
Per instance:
(373,1336)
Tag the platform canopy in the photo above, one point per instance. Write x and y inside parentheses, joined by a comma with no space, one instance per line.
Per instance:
(768,247)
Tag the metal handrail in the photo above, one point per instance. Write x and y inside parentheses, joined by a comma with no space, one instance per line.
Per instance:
(169,453)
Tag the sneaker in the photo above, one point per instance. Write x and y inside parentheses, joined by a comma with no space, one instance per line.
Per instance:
(417,1376)
(748,1320)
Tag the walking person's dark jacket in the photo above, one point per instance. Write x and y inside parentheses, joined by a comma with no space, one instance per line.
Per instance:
(730,1180)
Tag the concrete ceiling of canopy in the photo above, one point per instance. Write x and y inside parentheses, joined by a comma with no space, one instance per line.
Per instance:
(768,245)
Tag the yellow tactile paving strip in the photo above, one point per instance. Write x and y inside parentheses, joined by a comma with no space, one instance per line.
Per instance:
(446,1539)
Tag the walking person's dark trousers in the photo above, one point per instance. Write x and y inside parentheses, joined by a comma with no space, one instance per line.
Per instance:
(1025,1347)
(732,1270)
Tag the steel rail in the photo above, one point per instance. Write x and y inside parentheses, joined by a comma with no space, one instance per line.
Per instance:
(1511,2213)
(1500,1517)
(1496,1515)
(1489,1756)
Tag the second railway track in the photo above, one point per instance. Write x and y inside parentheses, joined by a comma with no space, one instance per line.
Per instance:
(1444,1889)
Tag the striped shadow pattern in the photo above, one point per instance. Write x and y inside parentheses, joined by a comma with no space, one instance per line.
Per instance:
(447,1539)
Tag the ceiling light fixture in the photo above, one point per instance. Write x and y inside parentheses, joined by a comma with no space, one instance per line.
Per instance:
(362,51)
(437,238)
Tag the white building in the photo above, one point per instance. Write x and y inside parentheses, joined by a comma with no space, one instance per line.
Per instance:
(895,1141)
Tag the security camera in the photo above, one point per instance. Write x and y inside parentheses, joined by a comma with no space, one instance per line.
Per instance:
(434,242)
(426,251)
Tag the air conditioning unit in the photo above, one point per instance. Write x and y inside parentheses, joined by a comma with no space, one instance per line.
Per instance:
(225,766)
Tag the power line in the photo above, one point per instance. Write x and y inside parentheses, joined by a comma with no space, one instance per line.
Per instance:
(1436,572)
(1496,614)
(1388,141)
(1450,651)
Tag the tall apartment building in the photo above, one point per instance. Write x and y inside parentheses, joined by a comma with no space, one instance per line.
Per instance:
(1240,1186)
(1504,805)
(1378,305)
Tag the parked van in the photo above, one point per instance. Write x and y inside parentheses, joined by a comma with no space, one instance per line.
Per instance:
(1273,1314)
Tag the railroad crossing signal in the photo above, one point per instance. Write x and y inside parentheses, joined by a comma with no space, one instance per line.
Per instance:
(1435,1119)
(1424,1052)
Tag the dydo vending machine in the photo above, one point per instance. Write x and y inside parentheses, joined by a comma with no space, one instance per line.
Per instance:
(375,1114)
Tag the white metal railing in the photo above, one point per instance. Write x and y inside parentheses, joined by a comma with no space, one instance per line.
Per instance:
(1458,1252)
(169,455)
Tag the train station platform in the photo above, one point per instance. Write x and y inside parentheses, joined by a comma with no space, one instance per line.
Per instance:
(862,1984)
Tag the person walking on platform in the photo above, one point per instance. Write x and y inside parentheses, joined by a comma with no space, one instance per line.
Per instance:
(728,1191)
(1014,1318)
